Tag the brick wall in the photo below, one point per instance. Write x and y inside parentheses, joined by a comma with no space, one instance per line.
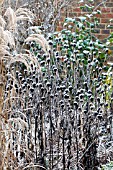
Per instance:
(106,8)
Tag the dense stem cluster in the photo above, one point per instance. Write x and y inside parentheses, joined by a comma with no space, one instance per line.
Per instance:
(56,103)
(59,113)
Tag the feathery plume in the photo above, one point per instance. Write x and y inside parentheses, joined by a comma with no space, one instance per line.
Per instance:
(10,14)
(2,22)
(38,38)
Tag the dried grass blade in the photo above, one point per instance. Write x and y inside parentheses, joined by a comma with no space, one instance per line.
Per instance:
(1,2)
(35,29)
(8,36)
(2,22)
(20,59)
(18,121)
(32,166)
(38,38)
(10,14)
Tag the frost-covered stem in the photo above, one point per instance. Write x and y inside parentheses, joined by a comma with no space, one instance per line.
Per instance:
(77,148)
(112,128)
(36,127)
(63,149)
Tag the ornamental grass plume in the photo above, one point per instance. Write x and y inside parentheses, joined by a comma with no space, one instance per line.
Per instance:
(13,122)
(39,39)
(1,2)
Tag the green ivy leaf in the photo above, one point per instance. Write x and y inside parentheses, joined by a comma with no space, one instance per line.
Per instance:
(43,69)
(102,56)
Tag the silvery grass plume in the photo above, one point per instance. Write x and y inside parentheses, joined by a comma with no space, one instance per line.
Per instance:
(8,28)
(12,125)
(39,39)
(19,15)
(7,39)
(1,2)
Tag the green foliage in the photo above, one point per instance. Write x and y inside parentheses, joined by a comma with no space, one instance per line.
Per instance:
(108,166)
(76,47)
(76,51)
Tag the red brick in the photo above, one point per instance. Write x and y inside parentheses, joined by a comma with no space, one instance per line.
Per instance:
(108,15)
(105,31)
(105,10)
(59,28)
(101,26)
(111,9)
(73,14)
(104,20)
(98,15)
(79,14)
(109,4)
(76,10)
(101,36)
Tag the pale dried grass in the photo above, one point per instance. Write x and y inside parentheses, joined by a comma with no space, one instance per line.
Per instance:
(9,24)
(39,39)
(11,18)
